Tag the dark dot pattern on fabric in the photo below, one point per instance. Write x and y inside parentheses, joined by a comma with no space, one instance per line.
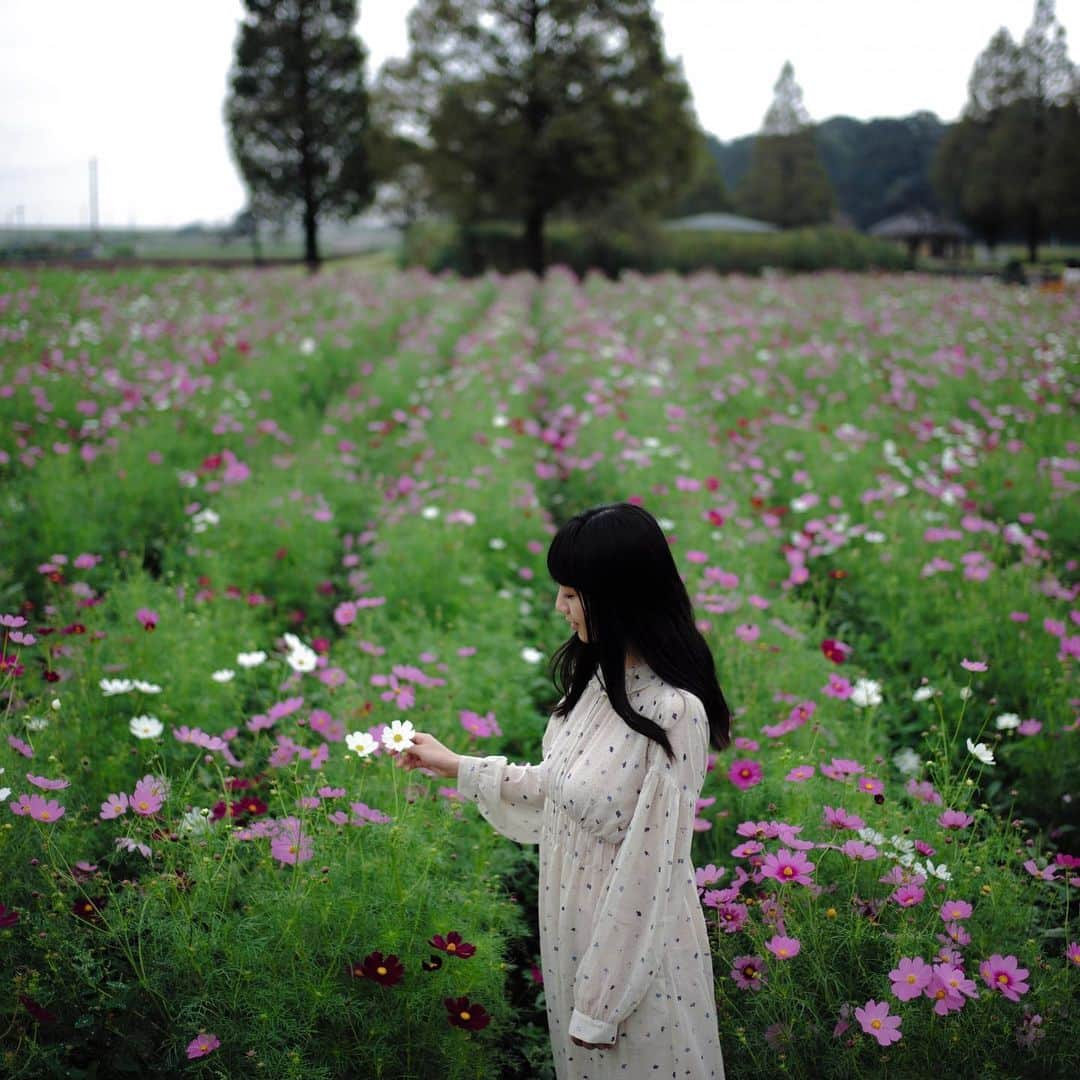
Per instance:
(624,950)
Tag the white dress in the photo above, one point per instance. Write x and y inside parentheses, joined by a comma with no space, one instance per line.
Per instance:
(624,950)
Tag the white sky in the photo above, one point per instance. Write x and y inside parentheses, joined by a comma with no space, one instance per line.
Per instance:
(140,85)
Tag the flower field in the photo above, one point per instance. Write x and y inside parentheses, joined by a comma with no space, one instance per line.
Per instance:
(259,528)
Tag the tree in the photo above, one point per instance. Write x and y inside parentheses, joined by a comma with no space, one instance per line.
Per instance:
(1011,163)
(526,108)
(297,111)
(787,183)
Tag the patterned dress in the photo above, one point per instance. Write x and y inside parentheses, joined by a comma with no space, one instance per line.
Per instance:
(624,949)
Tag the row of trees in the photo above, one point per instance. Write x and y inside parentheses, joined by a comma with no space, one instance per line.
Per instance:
(525,109)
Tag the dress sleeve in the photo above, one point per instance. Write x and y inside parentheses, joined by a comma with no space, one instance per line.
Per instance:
(510,797)
(623,954)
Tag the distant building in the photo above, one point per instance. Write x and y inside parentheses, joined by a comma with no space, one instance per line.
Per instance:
(924,233)
(721,223)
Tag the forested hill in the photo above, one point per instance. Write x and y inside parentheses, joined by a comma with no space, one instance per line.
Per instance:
(877,167)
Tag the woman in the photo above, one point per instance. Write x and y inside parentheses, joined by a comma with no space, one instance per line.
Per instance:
(625,954)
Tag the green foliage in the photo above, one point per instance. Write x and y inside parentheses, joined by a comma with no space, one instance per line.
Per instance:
(297,112)
(500,247)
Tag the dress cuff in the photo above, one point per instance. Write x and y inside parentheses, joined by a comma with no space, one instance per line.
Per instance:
(468,776)
(589,1030)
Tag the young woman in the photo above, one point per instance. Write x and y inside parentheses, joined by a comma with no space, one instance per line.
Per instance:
(625,955)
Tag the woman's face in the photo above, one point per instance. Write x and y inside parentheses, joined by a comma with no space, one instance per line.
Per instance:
(568,604)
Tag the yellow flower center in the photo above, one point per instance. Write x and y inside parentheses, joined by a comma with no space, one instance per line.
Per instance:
(781,952)
(787,871)
(875,1024)
(465,1016)
(939,994)
(380,971)
(911,979)
(1003,978)
(45,815)
(144,805)
(451,947)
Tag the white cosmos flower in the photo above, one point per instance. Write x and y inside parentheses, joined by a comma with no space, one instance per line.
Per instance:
(941,871)
(195,821)
(399,735)
(55,703)
(531,655)
(251,659)
(302,660)
(1007,721)
(36,723)
(429,513)
(874,537)
(223,676)
(361,743)
(981,751)
(924,693)
(902,843)
(147,687)
(965,692)
(866,692)
(496,543)
(907,761)
(109,687)
(871,836)
(146,727)
(4,791)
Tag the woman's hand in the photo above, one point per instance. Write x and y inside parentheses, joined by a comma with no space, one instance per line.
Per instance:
(427,752)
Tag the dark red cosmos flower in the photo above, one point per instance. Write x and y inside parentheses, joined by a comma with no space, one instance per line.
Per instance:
(462,1014)
(433,964)
(385,970)
(452,943)
(7,918)
(836,651)
(38,1012)
(252,805)
(87,909)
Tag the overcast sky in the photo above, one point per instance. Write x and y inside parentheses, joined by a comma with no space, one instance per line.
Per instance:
(140,85)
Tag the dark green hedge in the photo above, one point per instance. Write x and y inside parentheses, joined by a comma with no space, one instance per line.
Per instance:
(500,246)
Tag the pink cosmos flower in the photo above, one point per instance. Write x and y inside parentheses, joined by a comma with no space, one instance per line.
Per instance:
(1072,953)
(949,987)
(345,613)
(857,849)
(290,845)
(909,895)
(955,909)
(1002,974)
(745,774)
(747,972)
(148,618)
(973,665)
(39,808)
(910,977)
(837,687)
(731,917)
(787,865)
(401,694)
(955,933)
(871,785)
(148,796)
(758,830)
(800,773)
(705,876)
(841,819)
(783,948)
(114,806)
(201,1045)
(875,1020)
(480,726)
(955,819)
(19,746)
(924,791)
(1029,727)
(47,785)
(1046,873)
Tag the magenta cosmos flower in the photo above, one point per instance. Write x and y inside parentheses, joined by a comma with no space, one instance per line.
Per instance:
(38,807)
(875,1020)
(747,972)
(745,774)
(909,895)
(955,909)
(203,1044)
(910,977)
(787,865)
(1001,973)
(148,796)
(1072,953)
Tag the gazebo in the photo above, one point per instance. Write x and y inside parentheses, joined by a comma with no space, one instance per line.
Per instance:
(922,230)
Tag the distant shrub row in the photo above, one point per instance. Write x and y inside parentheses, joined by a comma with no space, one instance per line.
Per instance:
(501,246)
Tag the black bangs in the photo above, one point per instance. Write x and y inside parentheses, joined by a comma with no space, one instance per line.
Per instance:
(564,557)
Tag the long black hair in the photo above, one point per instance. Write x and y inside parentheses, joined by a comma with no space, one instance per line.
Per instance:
(617,559)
